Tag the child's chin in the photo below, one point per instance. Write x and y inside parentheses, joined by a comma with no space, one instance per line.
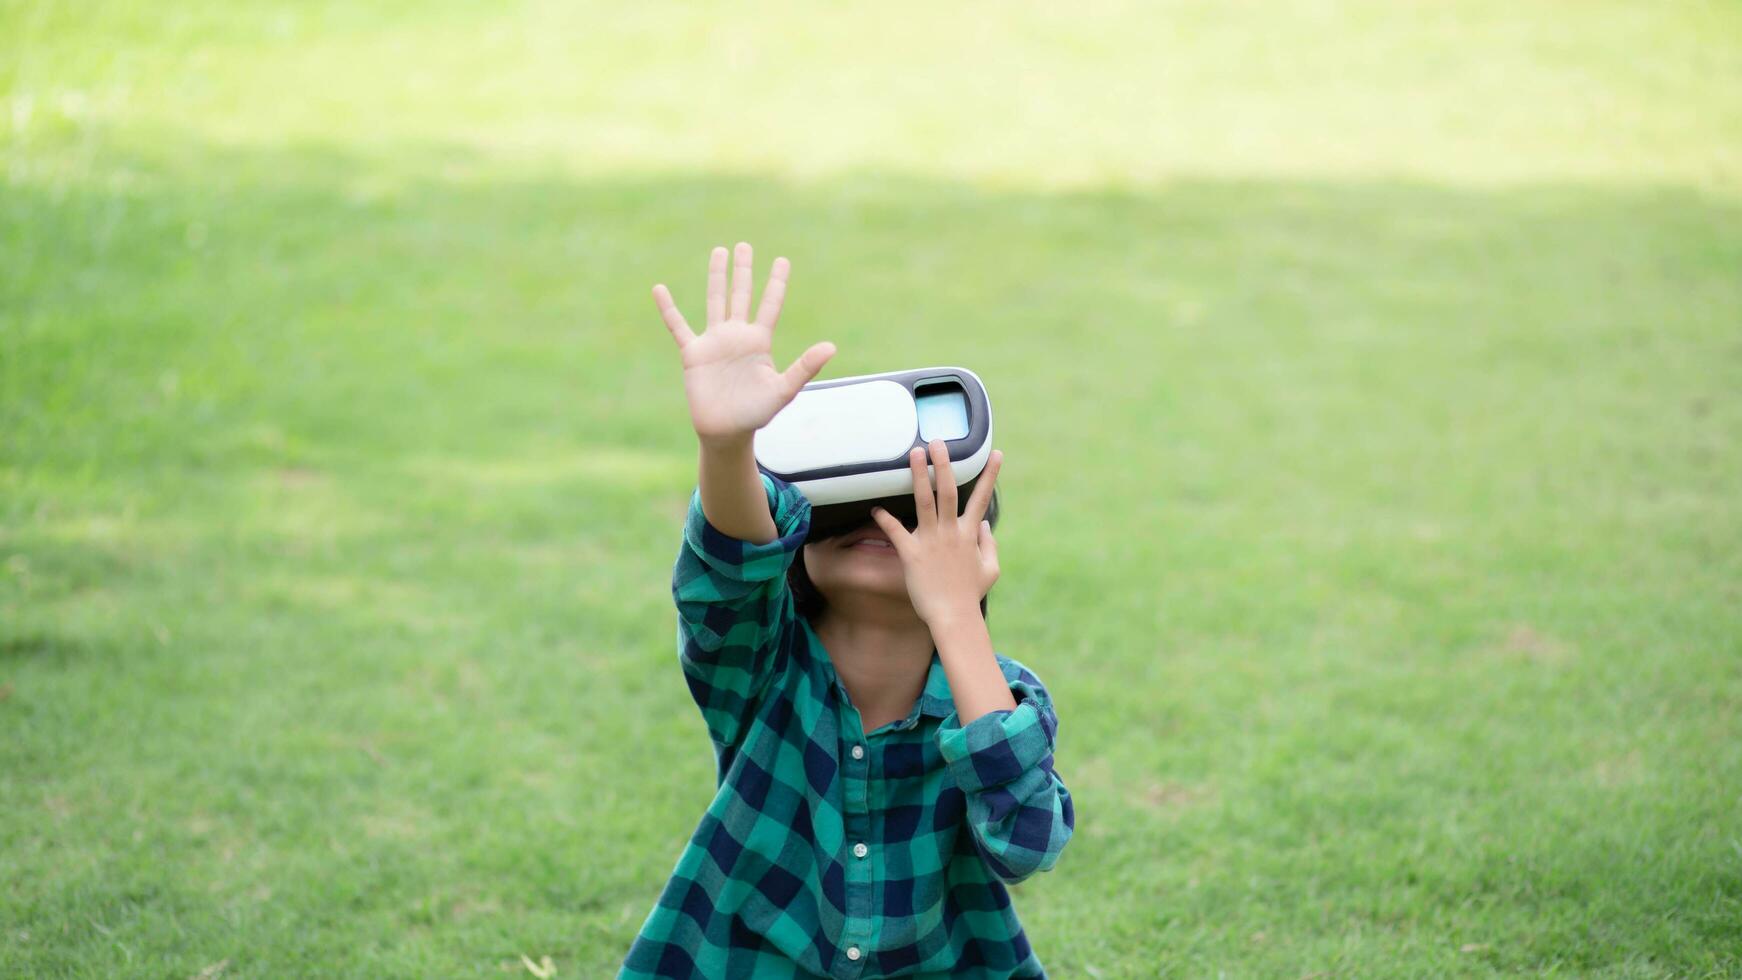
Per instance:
(884,569)
(871,576)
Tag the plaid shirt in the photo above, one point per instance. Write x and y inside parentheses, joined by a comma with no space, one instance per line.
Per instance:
(830,850)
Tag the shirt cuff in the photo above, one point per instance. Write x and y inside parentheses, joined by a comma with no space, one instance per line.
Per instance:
(746,561)
(996,747)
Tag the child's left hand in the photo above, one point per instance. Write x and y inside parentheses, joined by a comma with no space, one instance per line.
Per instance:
(950,561)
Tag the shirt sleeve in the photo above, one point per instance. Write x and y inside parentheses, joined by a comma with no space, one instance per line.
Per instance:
(734,607)
(1020,811)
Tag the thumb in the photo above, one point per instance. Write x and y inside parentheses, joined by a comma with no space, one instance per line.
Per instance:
(807,366)
(988,549)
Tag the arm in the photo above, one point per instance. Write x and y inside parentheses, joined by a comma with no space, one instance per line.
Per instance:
(1020,811)
(731,489)
(734,608)
(965,648)
(998,743)
(743,529)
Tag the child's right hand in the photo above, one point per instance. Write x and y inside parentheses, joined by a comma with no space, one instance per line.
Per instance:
(729,376)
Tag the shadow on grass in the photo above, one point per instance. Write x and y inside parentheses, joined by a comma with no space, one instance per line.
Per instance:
(189,302)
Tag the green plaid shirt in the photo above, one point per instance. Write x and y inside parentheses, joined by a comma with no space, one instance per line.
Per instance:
(829,850)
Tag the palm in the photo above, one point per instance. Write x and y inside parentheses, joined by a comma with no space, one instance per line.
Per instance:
(730,378)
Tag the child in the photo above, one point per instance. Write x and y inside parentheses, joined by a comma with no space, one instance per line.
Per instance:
(882,772)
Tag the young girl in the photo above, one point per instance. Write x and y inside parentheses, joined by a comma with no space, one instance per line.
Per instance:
(883,773)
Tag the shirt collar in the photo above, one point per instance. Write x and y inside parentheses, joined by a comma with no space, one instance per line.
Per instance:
(935,700)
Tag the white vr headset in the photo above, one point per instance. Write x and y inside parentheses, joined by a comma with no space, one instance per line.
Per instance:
(844,442)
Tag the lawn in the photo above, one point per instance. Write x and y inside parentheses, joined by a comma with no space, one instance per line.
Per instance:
(1369,377)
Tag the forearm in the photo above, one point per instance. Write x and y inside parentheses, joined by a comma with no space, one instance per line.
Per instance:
(965,648)
(1021,812)
(733,498)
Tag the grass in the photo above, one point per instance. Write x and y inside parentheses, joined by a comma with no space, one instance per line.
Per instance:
(1368,376)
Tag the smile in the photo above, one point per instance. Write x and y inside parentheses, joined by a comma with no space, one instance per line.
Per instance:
(872,544)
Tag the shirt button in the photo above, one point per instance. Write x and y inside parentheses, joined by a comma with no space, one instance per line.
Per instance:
(853,952)
(860,850)
(858,751)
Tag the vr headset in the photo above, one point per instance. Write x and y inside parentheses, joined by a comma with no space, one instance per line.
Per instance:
(844,442)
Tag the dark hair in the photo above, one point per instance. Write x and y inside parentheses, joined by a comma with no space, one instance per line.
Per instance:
(810,603)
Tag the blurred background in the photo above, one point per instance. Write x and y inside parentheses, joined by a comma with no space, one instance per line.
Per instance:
(1368,376)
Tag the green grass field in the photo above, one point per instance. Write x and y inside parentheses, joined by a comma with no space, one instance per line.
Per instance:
(1369,374)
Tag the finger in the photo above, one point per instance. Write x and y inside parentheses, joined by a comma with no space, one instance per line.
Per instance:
(716,285)
(680,331)
(773,294)
(741,265)
(946,478)
(988,550)
(898,535)
(806,367)
(982,495)
(924,504)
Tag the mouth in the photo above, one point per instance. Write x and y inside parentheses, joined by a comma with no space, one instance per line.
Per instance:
(869,539)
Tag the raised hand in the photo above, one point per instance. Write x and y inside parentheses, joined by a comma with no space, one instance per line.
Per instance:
(950,561)
(729,375)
